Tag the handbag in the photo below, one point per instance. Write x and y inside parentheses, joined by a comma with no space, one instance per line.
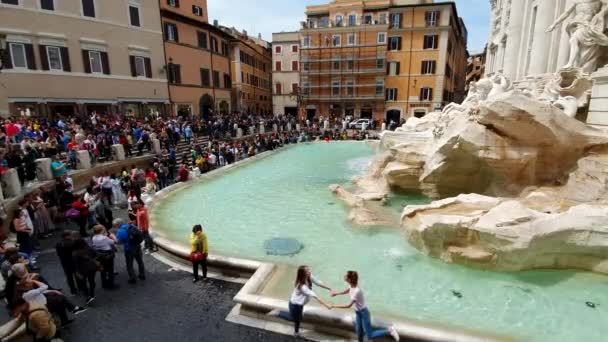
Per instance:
(72,213)
(196,256)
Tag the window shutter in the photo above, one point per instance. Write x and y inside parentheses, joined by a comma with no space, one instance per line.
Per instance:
(421,97)
(433,65)
(105,62)
(132,64)
(176,3)
(65,59)
(178,73)
(399,43)
(86,62)
(430,94)
(398,68)
(148,64)
(386,94)
(44,61)
(396,96)
(29,55)
(176,33)
(166,30)
(422,71)
(7,63)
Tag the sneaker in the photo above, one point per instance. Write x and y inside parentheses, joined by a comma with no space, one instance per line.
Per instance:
(90,300)
(274,313)
(394,334)
(78,310)
(194,281)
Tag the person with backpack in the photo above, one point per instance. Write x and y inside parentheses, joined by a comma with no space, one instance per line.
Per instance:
(130,237)
(38,320)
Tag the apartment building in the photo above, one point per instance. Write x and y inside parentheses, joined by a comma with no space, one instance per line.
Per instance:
(198,59)
(251,72)
(476,68)
(381,59)
(78,56)
(285,72)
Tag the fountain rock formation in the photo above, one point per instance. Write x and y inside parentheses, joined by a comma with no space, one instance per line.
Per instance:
(521,183)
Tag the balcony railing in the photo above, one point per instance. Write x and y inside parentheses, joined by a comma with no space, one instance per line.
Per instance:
(345,22)
(345,71)
(343,97)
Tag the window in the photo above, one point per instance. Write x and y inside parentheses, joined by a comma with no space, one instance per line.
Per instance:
(294,88)
(391,94)
(351,39)
(449,47)
(394,43)
(279,88)
(380,63)
(382,19)
(175,74)
(336,65)
(431,41)
(277,49)
(352,20)
(95,58)
(395,20)
(335,88)
(393,68)
(339,20)
(426,94)
(197,10)
(48,5)
(224,48)
(305,88)
(11,2)
(350,65)
(140,66)
(305,66)
(171,32)
(216,79)
(205,77)
(53,55)
(88,8)
(350,88)
(134,16)
(214,46)
(382,38)
(448,71)
(368,19)
(294,48)
(431,18)
(277,66)
(173,3)
(428,67)
(379,87)
(202,39)
(306,42)
(337,40)
(227,81)
(18,56)
(294,65)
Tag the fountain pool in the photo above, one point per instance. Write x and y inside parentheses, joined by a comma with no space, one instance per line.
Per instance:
(286,196)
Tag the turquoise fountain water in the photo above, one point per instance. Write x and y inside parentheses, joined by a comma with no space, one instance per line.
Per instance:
(286,196)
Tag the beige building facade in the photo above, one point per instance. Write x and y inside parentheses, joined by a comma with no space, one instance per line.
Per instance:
(77,56)
(285,72)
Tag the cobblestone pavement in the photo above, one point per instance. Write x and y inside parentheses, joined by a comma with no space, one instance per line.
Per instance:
(164,307)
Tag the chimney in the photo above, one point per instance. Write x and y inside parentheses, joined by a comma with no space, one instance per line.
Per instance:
(245,33)
(216,23)
(259,36)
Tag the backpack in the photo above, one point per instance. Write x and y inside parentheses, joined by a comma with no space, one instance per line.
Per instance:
(136,237)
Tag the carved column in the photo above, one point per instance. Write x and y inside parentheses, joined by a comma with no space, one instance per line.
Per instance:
(541,46)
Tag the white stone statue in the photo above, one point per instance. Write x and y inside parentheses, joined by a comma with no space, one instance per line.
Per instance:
(586,31)
(500,84)
(478,91)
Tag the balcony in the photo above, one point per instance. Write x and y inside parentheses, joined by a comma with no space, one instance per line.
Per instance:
(344,72)
(345,22)
(334,98)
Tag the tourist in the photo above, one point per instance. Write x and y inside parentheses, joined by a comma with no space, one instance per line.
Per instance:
(81,216)
(117,193)
(65,249)
(24,228)
(300,296)
(130,238)
(199,251)
(104,247)
(58,168)
(42,219)
(143,223)
(86,267)
(363,317)
(39,322)
(183,174)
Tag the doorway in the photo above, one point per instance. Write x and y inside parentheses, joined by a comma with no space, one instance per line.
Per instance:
(393,115)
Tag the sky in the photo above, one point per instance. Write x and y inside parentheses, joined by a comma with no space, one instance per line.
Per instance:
(268,16)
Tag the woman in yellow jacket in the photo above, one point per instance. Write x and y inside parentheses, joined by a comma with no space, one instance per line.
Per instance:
(199,250)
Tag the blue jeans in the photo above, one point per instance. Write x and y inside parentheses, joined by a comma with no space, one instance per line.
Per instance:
(294,315)
(364,326)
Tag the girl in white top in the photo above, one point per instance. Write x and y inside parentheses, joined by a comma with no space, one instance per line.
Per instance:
(300,296)
(363,324)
